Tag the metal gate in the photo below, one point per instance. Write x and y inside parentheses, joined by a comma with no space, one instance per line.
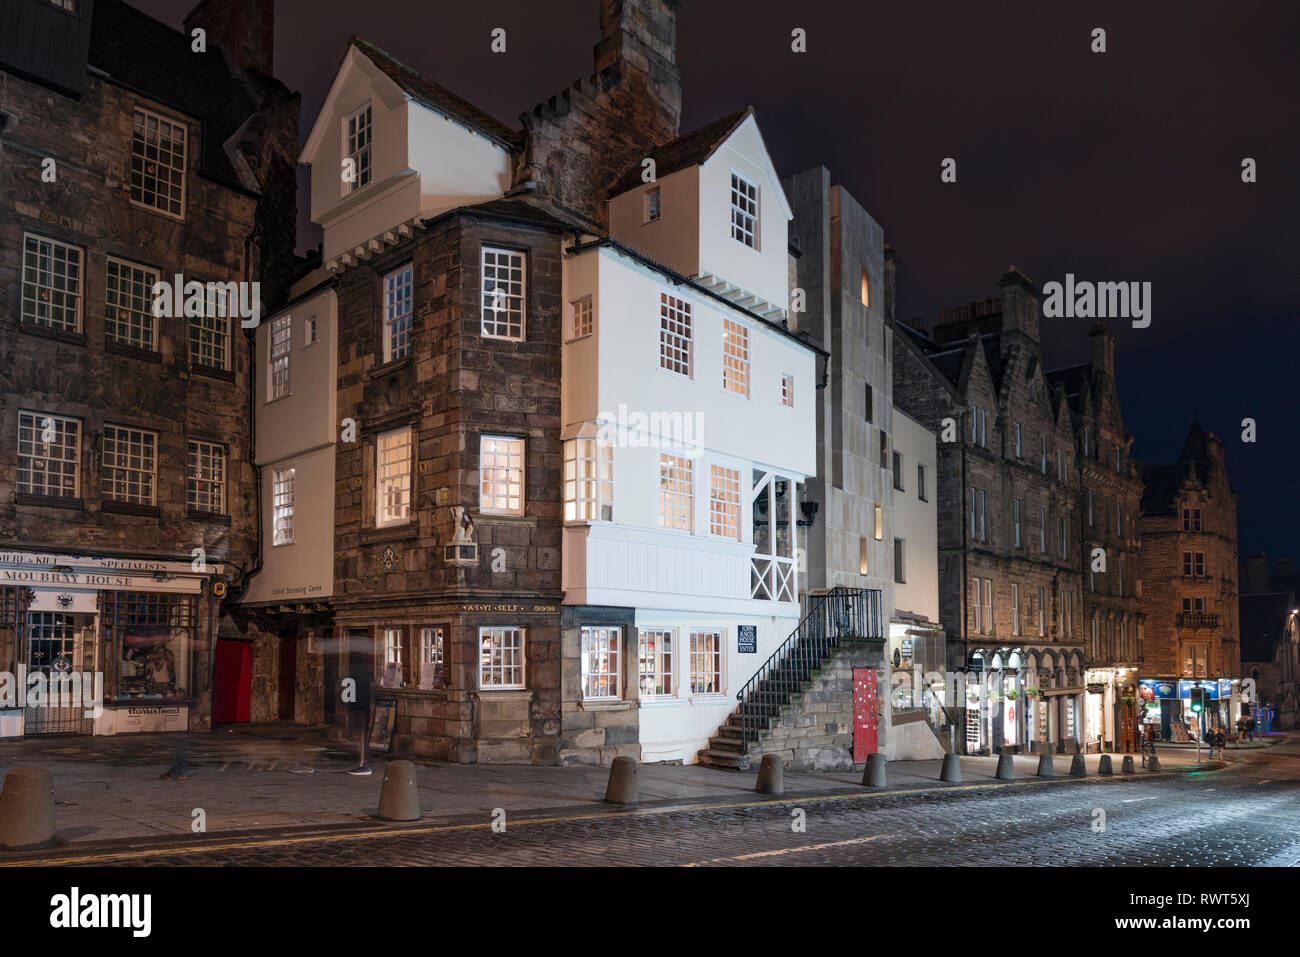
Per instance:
(57,645)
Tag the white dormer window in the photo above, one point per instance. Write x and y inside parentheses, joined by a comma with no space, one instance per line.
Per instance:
(653,204)
(356,150)
(744,211)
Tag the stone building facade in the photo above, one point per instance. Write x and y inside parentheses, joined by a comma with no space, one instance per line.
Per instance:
(1008,486)
(127,501)
(1189,579)
(1109,537)
(1270,641)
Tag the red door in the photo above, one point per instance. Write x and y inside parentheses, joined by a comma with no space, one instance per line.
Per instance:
(233,682)
(864,713)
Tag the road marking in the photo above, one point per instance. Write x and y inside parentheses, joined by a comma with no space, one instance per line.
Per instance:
(647,812)
(1132,800)
(789,850)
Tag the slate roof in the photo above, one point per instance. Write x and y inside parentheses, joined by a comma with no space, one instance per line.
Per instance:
(1262,617)
(437,97)
(690,149)
(1162,481)
(149,57)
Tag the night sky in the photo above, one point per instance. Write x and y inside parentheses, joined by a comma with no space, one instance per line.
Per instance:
(1122,166)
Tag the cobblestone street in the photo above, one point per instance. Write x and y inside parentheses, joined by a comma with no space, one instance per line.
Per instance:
(1245,815)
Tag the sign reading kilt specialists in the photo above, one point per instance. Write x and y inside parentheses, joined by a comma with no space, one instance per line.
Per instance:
(747,639)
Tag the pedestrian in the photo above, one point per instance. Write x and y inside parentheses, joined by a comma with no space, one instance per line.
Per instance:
(359,709)
(1250,729)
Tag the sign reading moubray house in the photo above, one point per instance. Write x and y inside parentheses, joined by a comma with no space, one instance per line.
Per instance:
(38,569)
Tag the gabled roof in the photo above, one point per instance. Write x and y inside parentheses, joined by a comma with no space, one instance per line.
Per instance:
(691,149)
(149,57)
(1075,383)
(436,97)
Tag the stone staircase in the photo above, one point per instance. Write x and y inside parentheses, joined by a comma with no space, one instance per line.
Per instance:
(799,704)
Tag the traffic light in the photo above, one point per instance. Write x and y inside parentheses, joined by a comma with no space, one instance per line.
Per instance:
(1198,700)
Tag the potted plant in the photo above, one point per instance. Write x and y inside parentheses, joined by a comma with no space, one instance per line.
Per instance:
(1129,700)
(1011,695)
(1031,692)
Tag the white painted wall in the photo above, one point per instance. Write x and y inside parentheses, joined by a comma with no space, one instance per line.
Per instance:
(916,521)
(764,271)
(300,430)
(678,727)
(422,162)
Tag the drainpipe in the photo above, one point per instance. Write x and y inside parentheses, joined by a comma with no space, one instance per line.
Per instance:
(965,580)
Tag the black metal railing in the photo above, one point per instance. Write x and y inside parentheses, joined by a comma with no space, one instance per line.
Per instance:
(840,613)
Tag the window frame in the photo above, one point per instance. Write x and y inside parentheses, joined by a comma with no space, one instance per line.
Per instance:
(397,328)
(676,347)
(114,267)
(278,350)
(736,361)
(284,483)
(37,428)
(611,637)
(588,496)
(511,441)
(722,507)
(109,474)
(497,294)
(518,655)
(352,149)
(653,210)
(175,125)
(745,221)
(694,654)
(193,476)
(663,662)
(390,476)
(78,296)
(200,333)
(582,318)
(676,503)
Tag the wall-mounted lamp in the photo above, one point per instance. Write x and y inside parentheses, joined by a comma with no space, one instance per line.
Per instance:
(809,510)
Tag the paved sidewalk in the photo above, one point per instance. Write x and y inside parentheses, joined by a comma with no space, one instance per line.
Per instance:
(283,777)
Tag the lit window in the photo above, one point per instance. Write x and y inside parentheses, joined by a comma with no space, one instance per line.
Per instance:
(787,390)
(278,357)
(866,297)
(655,664)
(744,211)
(880,522)
(51,284)
(653,204)
(583,320)
(205,480)
(397,313)
(706,662)
(357,135)
(158,163)
(393,674)
(501,475)
(862,555)
(676,492)
(129,464)
(128,304)
(724,502)
(588,481)
(49,455)
(600,663)
(503,294)
(675,335)
(393,477)
(282,506)
(501,657)
(735,357)
(431,659)
(210,332)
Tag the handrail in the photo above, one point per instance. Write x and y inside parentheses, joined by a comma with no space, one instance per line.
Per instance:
(840,613)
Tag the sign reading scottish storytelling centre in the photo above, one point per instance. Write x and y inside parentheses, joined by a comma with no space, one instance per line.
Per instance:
(747,639)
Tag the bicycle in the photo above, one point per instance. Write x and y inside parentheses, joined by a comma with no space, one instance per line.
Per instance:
(1148,750)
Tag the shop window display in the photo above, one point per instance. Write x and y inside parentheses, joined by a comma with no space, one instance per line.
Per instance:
(150,639)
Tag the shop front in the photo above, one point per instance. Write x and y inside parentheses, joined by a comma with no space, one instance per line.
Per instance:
(100,645)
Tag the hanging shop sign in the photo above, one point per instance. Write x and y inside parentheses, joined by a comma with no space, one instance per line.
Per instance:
(1154,689)
(1210,685)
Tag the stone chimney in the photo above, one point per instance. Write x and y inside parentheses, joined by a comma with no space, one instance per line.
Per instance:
(1255,580)
(1019,306)
(1103,350)
(640,37)
(246,28)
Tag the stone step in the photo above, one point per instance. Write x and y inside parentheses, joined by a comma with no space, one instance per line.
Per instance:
(724,760)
